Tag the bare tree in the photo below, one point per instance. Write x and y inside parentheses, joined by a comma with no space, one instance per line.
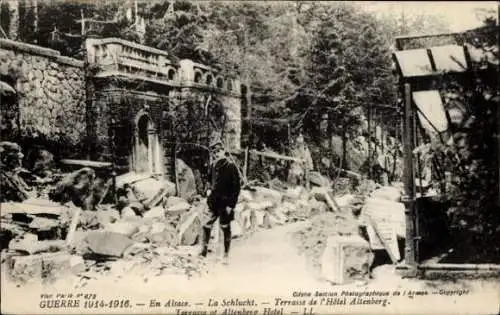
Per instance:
(14,19)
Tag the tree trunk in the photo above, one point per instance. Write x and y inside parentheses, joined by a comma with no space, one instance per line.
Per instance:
(369,142)
(344,148)
(35,19)
(14,19)
(330,142)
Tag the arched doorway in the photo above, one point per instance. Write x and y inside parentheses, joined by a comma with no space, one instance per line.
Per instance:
(147,152)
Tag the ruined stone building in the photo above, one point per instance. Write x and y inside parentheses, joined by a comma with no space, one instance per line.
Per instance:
(127,103)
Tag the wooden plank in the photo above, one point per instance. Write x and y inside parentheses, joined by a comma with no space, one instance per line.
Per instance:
(375,242)
(409,177)
(245,165)
(130,178)
(388,238)
(407,37)
(461,267)
(86,163)
(17,207)
(347,173)
(275,156)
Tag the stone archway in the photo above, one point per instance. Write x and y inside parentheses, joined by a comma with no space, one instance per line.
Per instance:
(147,150)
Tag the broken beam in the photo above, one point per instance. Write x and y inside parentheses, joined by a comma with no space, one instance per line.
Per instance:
(87,163)
(275,156)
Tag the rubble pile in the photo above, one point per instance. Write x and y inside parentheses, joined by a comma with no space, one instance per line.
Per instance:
(33,238)
(340,245)
(312,240)
(68,229)
(149,226)
(263,208)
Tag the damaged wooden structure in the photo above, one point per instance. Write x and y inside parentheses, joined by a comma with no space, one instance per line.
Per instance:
(425,65)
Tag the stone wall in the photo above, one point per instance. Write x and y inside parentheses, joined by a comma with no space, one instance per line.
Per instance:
(50,88)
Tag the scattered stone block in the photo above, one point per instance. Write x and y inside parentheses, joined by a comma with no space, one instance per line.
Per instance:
(156,212)
(142,234)
(344,200)
(276,218)
(173,200)
(186,179)
(77,264)
(34,246)
(148,187)
(236,230)
(157,227)
(245,219)
(239,207)
(178,208)
(279,214)
(190,229)
(25,269)
(122,227)
(262,193)
(260,206)
(259,218)
(293,193)
(57,265)
(346,259)
(245,196)
(35,267)
(165,237)
(107,243)
(128,212)
(303,207)
(43,224)
(387,193)
(317,206)
(104,217)
(288,207)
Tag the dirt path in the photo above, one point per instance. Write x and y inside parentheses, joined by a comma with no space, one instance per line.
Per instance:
(267,263)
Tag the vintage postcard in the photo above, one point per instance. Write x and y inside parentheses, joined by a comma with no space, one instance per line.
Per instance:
(249,157)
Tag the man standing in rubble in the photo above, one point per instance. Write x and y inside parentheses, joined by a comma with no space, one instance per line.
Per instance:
(222,197)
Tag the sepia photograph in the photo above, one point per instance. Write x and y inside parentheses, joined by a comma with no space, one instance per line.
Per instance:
(249,157)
